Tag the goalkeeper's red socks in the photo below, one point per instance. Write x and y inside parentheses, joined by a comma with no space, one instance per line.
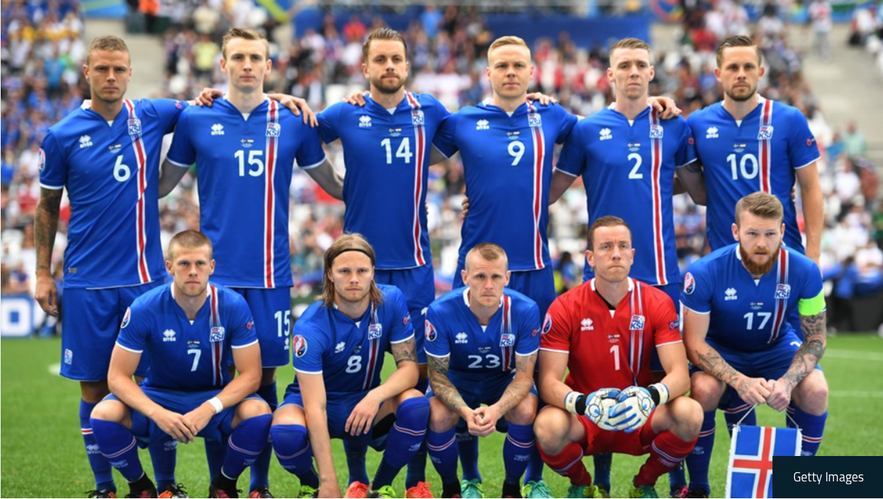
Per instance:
(569,463)
(666,452)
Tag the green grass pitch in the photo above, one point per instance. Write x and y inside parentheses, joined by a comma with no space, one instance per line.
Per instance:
(41,451)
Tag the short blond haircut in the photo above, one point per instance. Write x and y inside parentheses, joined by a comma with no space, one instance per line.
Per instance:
(760,204)
(487,251)
(107,43)
(506,40)
(247,34)
(190,239)
(631,43)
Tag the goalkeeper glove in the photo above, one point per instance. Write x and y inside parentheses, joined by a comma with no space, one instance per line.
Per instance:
(595,406)
(635,404)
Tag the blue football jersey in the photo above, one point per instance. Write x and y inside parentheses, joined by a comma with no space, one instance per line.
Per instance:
(628,170)
(387,165)
(244,168)
(508,169)
(453,330)
(184,355)
(349,354)
(111,174)
(760,154)
(748,315)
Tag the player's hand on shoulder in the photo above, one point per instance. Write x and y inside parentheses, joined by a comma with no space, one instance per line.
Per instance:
(665,106)
(47,294)
(754,390)
(207,97)
(356,98)
(781,394)
(175,425)
(542,98)
(632,410)
(464,204)
(297,106)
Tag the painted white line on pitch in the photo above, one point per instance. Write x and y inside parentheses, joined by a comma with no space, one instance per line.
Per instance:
(54,368)
(854,355)
(856,394)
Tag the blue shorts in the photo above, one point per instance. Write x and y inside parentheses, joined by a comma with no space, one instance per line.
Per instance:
(674,292)
(418,286)
(91,320)
(338,407)
(271,309)
(771,363)
(538,285)
(181,402)
(483,388)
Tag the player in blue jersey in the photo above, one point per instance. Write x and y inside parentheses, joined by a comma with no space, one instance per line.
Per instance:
(245,147)
(339,347)
(482,342)
(628,151)
(106,156)
(387,147)
(748,143)
(188,329)
(736,303)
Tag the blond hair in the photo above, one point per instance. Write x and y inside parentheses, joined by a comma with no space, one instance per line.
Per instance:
(630,43)
(189,239)
(487,251)
(107,43)
(760,204)
(506,40)
(247,34)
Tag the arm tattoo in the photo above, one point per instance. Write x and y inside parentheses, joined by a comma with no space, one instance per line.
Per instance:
(45,226)
(810,352)
(404,351)
(441,385)
(712,363)
(520,385)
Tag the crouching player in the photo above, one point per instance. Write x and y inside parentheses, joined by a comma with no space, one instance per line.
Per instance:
(737,301)
(481,343)
(603,331)
(339,345)
(188,330)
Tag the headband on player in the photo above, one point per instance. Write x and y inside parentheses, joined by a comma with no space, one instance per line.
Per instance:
(360,250)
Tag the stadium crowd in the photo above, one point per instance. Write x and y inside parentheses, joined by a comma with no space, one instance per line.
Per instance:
(43,51)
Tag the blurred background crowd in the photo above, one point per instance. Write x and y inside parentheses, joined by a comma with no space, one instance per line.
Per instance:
(43,49)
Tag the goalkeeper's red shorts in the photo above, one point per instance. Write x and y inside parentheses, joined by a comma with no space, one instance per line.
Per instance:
(597,441)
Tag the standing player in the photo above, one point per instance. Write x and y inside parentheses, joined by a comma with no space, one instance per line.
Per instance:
(603,331)
(339,348)
(189,329)
(748,143)
(387,145)
(245,148)
(736,301)
(482,342)
(106,154)
(507,149)
(628,151)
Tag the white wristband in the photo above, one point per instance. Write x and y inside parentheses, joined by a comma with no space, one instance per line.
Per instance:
(216,403)
(662,390)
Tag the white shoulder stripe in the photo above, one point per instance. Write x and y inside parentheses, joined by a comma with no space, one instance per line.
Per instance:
(129,349)
(528,353)
(564,172)
(51,187)
(554,350)
(801,166)
(669,343)
(402,341)
(180,165)
(308,372)
(314,165)
(234,347)
(438,356)
(695,311)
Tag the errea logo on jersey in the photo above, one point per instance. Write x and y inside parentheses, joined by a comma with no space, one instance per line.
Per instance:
(730,294)
(711,133)
(482,125)
(168,335)
(461,338)
(339,347)
(586,325)
(364,121)
(605,134)
(217,129)
(85,141)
